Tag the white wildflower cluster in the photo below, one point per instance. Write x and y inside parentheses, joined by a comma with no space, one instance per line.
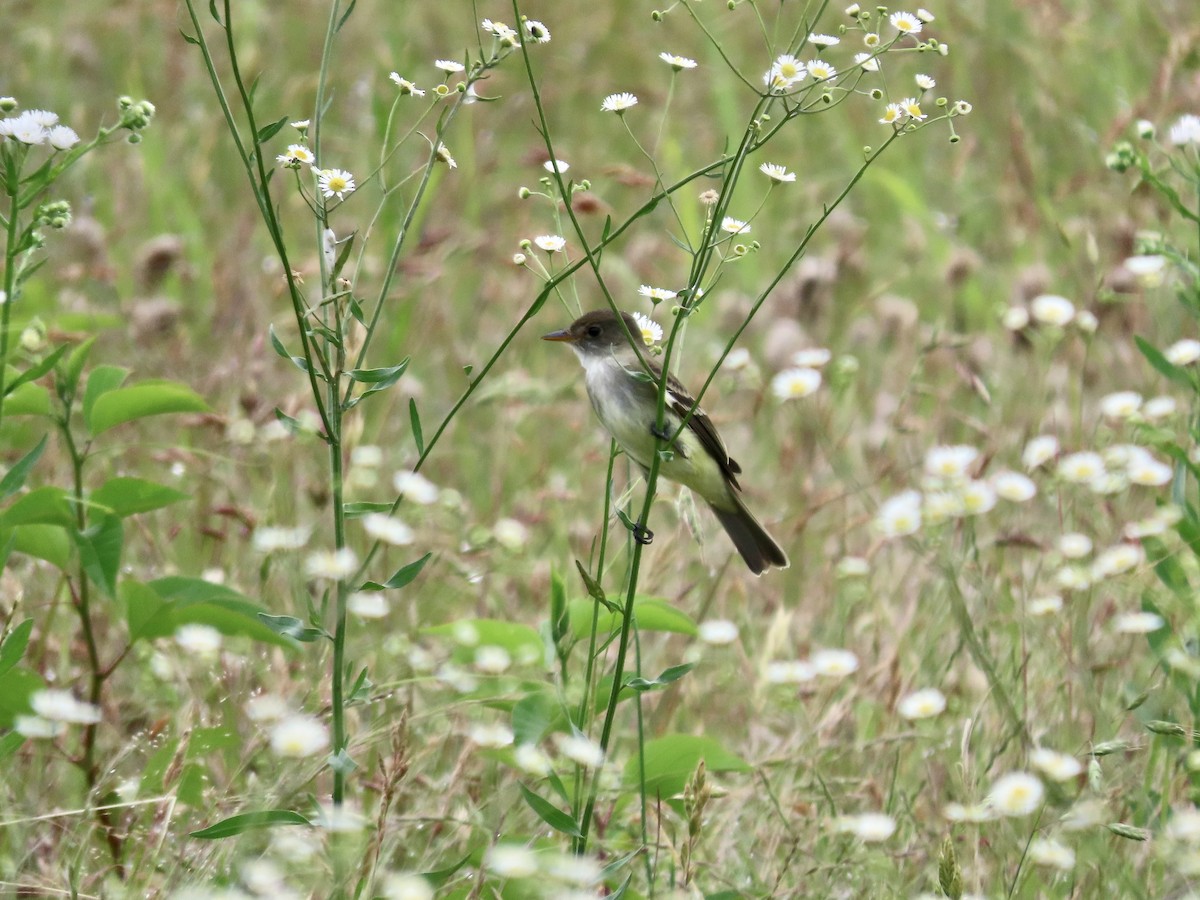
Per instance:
(36,127)
(332,183)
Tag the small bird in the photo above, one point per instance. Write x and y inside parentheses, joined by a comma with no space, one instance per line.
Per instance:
(627,405)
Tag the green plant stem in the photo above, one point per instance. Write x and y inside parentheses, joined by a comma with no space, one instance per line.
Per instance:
(12,188)
(97,674)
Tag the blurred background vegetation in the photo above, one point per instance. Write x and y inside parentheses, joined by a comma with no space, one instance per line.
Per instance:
(167,259)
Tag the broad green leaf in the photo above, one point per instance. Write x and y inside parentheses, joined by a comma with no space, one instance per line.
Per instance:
(100,547)
(235,825)
(653,614)
(521,641)
(17,685)
(49,542)
(10,743)
(550,814)
(150,398)
(403,576)
(101,380)
(47,505)
(157,609)
(28,400)
(129,496)
(533,717)
(671,760)
(14,478)
(13,647)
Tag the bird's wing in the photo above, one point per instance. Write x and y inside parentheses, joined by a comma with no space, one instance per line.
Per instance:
(680,402)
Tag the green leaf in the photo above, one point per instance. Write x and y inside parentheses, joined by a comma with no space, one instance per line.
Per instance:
(360,508)
(47,505)
(14,478)
(49,542)
(414,419)
(277,345)
(533,717)
(653,614)
(34,372)
(595,591)
(235,825)
(290,626)
(68,379)
(549,813)
(671,760)
(1167,567)
(150,398)
(521,641)
(28,400)
(669,676)
(13,646)
(403,576)
(379,379)
(10,743)
(269,131)
(101,380)
(1161,364)
(129,496)
(157,609)
(100,552)
(17,685)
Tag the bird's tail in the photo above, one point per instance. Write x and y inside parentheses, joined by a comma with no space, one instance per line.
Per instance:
(758,549)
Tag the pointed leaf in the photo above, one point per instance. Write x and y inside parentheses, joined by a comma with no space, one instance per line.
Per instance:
(1161,363)
(290,626)
(129,496)
(235,825)
(101,380)
(277,345)
(14,478)
(669,676)
(14,644)
(414,419)
(550,814)
(269,131)
(47,505)
(403,576)
(100,552)
(150,398)
(33,373)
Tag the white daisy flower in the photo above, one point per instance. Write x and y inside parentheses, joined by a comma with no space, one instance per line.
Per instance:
(335,183)
(923,704)
(537,31)
(867,827)
(1120,405)
(299,736)
(61,706)
(551,243)
(905,22)
(792,384)
(656,294)
(950,461)
(407,88)
(618,103)
(1074,545)
(1138,623)
(777,173)
(678,63)
(821,70)
(1054,765)
(1016,794)
(718,632)
(734,226)
(790,671)
(1049,852)
(1051,309)
(1183,353)
(900,515)
(1081,467)
(1045,606)
(1014,487)
(449,66)
(1185,131)
(651,331)
(1039,451)
(834,663)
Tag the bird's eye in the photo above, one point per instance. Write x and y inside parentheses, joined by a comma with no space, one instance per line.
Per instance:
(594,331)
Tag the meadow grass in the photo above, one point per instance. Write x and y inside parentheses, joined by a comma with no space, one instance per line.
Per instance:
(823,776)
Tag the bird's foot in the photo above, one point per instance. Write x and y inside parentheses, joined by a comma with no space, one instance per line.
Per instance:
(642,534)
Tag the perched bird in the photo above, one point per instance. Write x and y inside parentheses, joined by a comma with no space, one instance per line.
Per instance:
(626,403)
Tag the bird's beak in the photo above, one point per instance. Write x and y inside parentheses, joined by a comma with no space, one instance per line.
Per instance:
(562,335)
